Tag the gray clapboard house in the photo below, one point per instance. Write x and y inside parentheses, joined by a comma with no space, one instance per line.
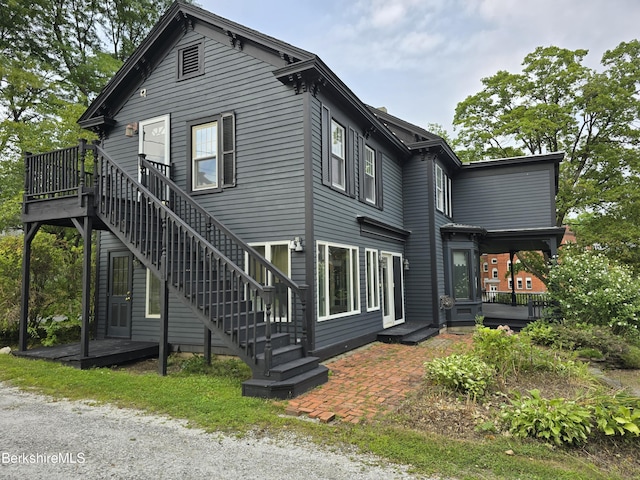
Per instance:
(247,202)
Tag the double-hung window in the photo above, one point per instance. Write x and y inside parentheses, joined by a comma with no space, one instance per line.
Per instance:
(373,280)
(369,175)
(212,146)
(338,156)
(338,280)
(443,191)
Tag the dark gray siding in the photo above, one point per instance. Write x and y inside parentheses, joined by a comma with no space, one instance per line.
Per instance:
(418,284)
(505,198)
(335,221)
(185,330)
(268,202)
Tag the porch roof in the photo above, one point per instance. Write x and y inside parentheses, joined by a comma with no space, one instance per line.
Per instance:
(504,241)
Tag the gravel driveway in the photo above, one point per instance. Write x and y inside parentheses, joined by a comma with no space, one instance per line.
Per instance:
(45,439)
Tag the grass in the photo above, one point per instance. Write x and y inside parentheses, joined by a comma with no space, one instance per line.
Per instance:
(214,403)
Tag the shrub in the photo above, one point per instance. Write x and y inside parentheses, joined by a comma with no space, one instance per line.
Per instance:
(630,358)
(555,420)
(617,415)
(496,347)
(588,287)
(463,373)
(58,331)
(541,332)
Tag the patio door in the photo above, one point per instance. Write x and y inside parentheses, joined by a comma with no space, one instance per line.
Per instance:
(391,278)
(119,295)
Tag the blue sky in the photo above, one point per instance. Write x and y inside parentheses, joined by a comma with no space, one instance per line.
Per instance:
(419,58)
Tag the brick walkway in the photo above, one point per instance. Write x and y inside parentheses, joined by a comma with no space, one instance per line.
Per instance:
(373,379)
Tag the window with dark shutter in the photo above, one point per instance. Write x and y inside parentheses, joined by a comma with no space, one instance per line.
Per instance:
(190,61)
(228,150)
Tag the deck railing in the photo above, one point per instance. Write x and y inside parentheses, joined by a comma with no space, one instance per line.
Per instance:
(535,302)
(289,299)
(61,173)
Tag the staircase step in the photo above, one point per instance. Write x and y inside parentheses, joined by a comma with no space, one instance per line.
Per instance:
(278,340)
(420,336)
(293,368)
(283,354)
(289,388)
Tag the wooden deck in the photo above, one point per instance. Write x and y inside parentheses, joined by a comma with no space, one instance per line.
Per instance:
(102,353)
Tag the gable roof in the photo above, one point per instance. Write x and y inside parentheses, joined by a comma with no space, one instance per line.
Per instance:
(298,65)
(171,26)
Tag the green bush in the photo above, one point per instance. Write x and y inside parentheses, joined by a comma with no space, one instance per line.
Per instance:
(588,287)
(60,331)
(630,358)
(554,420)
(541,332)
(463,373)
(617,415)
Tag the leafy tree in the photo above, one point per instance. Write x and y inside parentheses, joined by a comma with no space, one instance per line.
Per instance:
(558,104)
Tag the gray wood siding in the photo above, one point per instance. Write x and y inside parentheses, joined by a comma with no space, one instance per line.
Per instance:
(418,286)
(185,330)
(335,222)
(505,198)
(268,201)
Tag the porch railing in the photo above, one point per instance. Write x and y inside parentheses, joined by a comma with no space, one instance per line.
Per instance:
(226,298)
(535,302)
(289,299)
(61,173)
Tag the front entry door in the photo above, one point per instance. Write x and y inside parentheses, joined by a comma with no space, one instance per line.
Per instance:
(392,289)
(119,295)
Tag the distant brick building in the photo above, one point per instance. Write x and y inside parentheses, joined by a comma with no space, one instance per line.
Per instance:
(496,277)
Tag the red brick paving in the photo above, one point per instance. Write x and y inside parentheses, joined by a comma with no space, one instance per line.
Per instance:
(372,380)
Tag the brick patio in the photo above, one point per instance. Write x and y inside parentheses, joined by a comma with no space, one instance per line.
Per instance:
(372,380)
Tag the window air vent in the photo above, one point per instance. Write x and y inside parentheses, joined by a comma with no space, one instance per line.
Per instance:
(190,61)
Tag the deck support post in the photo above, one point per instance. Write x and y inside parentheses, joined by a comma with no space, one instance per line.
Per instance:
(30,230)
(163,340)
(207,345)
(513,281)
(87,232)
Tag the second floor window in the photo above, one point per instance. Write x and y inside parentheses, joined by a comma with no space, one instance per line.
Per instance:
(212,147)
(369,175)
(443,191)
(338,156)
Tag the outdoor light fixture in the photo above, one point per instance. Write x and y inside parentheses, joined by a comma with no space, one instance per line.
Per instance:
(131,129)
(296,245)
(406,264)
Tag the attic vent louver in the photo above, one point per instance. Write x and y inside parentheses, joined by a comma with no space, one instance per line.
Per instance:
(190,62)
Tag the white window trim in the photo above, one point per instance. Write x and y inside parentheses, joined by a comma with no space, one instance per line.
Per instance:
(147,297)
(485,267)
(518,284)
(494,261)
(443,189)
(194,160)
(368,150)
(355,282)
(372,278)
(528,283)
(267,254)
(494,273)
(343,158)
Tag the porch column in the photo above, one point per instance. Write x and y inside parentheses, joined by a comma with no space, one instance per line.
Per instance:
(86,287)
(163,341)
(513,280)
(30,230)
(207,345)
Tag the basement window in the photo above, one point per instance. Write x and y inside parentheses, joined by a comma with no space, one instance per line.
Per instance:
(190,61)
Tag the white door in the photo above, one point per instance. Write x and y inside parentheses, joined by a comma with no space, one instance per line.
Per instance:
(154,143)
(392,282)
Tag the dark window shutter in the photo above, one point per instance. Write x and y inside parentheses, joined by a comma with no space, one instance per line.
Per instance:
(228,151)
(361,168)
(379,179)
(326,145)
(190,61)
(350,168)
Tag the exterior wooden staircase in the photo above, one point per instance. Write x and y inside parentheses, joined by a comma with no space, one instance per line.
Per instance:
(197,258)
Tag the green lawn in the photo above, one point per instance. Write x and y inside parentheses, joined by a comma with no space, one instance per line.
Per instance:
(214,403)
